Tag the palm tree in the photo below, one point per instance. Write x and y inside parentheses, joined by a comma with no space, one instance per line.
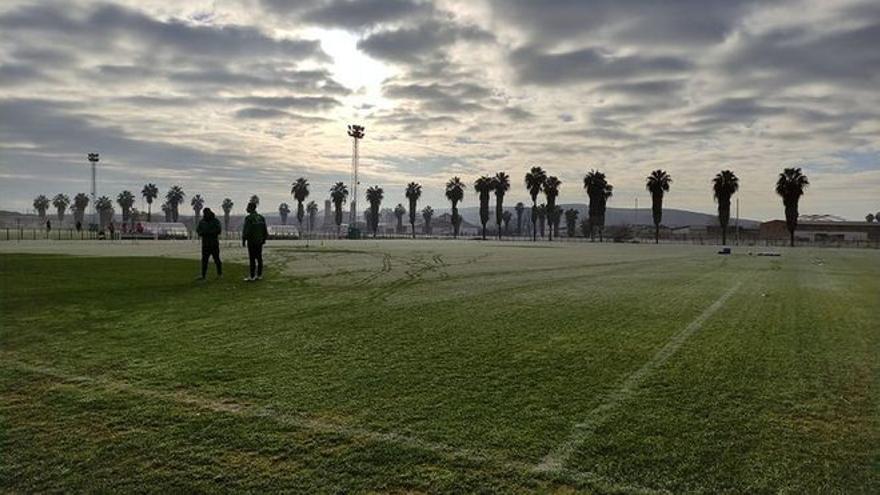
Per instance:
(535,183)
(519,208)
(80,203)
(338,195)
(41,203)
(571,218)
(375,194)
(556,218)
(61,202)
(551,192)
(455,193)
(105,210)
(790,186)
(227,209)
(399,212)
(150,192)
(125,201)
(598,190)
(300,191)
(174,197)
(168,211)
(869,218)
(427,215)
(283,211)
(724,185)
(483,186)
(506,216)
(255,200)
(197,204)
(657,184)
(541,217)
(312,212)
(413,193)
(501,186)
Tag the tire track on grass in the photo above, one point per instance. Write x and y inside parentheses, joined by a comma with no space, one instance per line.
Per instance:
(221,406)
(555,460)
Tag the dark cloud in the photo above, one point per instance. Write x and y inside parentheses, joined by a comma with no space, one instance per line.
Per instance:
(14,74)
(412,44)
(311,81)
(260,113)
(56,57)
(797,55)
(105,24)
(61,128)
(364,14)
(735,111)
(517,113)
(462,97)
(415,122)
(676,23)
(662,88)
(311,103)
(256,113)
(589,65)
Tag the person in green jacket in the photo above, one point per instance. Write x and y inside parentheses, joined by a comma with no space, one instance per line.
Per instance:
(254,235)
(209,230)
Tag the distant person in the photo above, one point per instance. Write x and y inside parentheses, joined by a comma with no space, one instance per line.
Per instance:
(140,228)
(111,229)
(79,226)
(209,230)
(254,235)
(48,226)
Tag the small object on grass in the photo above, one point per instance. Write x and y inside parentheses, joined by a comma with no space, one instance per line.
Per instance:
(724,250)
(769,253)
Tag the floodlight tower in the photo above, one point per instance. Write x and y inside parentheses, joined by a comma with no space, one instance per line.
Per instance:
(357,133)
(93,159)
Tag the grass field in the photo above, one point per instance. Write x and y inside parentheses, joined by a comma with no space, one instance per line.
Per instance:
(440,367)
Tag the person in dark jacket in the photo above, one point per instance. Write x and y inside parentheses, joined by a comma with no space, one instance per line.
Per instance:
(209,230)
(254,235)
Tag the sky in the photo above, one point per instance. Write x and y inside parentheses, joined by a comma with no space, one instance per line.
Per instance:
(238,97)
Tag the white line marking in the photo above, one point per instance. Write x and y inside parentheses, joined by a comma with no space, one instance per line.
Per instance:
(252,411)
(555,460)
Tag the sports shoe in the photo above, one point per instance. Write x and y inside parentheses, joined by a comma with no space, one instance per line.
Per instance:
(259,277)
(248,279)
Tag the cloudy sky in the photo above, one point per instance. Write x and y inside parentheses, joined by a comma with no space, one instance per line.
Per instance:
(233,97)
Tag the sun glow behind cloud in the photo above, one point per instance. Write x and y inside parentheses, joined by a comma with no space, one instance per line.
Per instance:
(354,69)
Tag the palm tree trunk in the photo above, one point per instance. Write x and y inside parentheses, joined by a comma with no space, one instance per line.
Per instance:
(149,212)
(656,233)
(791,232)
(534,223)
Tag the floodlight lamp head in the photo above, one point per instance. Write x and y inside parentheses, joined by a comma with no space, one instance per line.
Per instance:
(93,157)
(356,131)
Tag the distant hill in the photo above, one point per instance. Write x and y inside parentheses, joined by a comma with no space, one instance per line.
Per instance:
(627,216)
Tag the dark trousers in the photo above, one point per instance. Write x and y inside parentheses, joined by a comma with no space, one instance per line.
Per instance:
(255,257)
(209,249)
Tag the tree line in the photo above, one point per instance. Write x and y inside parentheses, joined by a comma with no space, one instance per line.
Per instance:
(790,187)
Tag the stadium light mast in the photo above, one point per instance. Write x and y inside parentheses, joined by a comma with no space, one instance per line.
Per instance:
(93,159)
(737,221)
(356,132)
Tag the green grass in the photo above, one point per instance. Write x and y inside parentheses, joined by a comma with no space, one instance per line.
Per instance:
(443,366)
